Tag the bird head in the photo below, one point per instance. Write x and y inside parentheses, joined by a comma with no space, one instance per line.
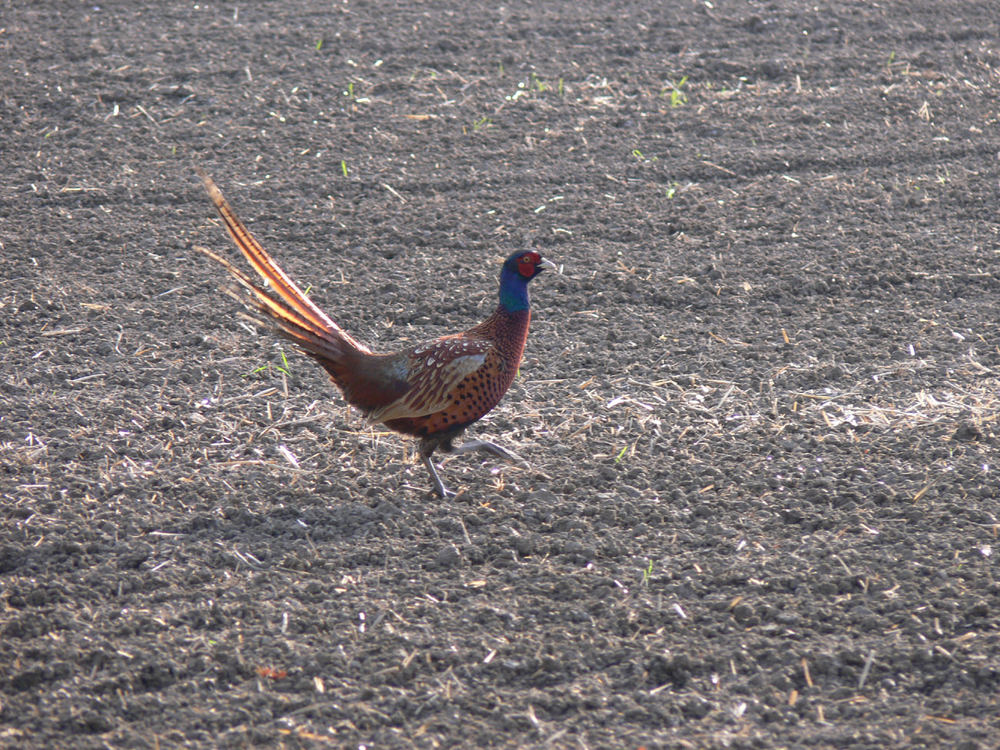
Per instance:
(518,270)
(527,264)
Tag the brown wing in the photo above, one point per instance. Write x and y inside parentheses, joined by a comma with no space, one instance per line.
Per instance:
(435,370)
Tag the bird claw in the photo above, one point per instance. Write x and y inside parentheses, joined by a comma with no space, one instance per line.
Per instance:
(443,492)
(516,459)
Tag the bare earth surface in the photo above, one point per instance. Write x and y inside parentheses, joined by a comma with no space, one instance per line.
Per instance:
(759,405)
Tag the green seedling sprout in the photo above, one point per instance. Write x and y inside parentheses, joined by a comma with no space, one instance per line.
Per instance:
(284,367)
(677,96)
(647,573)
(284,363)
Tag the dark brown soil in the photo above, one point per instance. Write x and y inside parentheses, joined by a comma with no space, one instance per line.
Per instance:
(760,404)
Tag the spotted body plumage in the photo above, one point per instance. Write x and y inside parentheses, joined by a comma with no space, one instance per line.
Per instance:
(495,348)
(432,391)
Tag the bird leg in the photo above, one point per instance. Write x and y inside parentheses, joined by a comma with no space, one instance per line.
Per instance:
(429,445)
(439,487)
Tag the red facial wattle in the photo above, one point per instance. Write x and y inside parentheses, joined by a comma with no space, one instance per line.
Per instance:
(527,264)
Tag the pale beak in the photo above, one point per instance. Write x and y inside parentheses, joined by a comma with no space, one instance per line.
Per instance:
(546,263)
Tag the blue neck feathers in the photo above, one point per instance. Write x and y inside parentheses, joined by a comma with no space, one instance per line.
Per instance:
(513,290)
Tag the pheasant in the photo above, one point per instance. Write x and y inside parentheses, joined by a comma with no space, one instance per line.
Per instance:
(432,391)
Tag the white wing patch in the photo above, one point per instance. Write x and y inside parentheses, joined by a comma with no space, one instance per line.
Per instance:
(436,369)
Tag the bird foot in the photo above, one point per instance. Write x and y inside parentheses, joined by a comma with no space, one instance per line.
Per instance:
(486,446)
(439,488)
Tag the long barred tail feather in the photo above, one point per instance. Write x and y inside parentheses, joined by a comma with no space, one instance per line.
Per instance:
(289,310)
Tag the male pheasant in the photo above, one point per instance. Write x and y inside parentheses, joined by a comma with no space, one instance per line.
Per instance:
(432,391)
